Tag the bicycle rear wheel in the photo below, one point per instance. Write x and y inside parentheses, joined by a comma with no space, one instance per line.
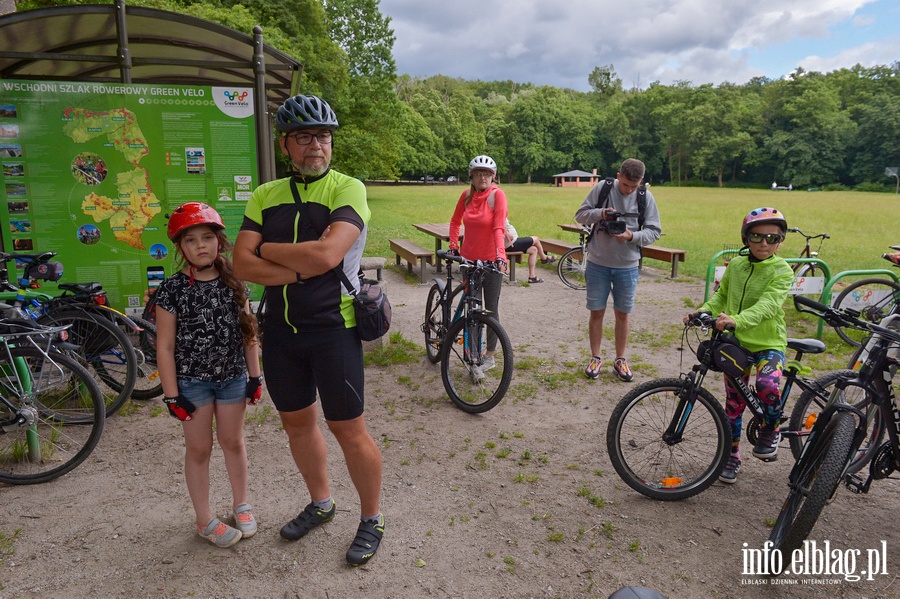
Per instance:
(54,427)
(873,299)
(471,386)
(812,483)
(808,407)
(638,450)
(147,385)
(434,326)
(571,267)
(104,350)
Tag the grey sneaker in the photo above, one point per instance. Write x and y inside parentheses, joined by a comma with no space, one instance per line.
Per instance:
(488,363)
(766,447)
(219,534)
(244,520)
(729,475)
(477,373)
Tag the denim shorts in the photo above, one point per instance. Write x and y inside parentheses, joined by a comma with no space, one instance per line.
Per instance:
(222,393)
(601,280)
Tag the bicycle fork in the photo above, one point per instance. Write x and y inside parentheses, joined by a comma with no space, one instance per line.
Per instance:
(687,395)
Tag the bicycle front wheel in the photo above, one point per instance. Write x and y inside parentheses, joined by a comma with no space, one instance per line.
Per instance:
(104,350)
(660,468)
(810,405)
(434,327)
(812,483)
(51,416)
(147,385)
(571,267)
(873,299)
(471,382)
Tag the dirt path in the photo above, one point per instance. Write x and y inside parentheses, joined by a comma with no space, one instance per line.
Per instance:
(518,502)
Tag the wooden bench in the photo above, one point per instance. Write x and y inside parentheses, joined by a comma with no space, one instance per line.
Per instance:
(375,263)
(413,254)
(655,252)
(555,246)
(513,258)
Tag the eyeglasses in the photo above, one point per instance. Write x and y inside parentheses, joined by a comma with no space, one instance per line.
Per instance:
(771,238)
(482,174)
(304,139)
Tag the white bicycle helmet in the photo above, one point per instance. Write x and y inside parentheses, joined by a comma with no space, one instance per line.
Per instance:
(485,162)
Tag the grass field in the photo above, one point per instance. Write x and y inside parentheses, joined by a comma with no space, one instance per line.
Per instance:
(700,221)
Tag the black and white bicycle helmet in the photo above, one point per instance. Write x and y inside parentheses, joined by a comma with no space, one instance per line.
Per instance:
(305,112)
(484,162)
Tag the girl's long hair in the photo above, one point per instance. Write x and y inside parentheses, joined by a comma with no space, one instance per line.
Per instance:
(246,320)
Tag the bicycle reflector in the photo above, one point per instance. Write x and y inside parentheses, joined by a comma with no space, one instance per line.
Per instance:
(100,299)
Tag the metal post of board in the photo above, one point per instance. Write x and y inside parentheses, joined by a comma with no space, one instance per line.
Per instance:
(266,155)
(123,52)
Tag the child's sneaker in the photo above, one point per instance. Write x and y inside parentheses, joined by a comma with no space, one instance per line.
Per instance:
(488,363)
(219,534)
(593,368)
(766,447)
(729,475)
(244,520)
(622,369)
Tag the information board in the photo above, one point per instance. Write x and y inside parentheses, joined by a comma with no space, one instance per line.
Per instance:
(91,171)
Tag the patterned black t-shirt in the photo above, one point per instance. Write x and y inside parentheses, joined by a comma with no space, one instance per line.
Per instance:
(208,345)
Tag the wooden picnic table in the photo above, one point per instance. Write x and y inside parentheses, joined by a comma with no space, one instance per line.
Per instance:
(571,227)
(441,233)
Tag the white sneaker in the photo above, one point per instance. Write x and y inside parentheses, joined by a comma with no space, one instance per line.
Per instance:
(477,373)
(488,363)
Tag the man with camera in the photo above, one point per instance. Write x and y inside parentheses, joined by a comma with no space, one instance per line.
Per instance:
(624,218)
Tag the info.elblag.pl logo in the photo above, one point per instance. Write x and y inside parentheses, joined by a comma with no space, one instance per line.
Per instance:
(816,562)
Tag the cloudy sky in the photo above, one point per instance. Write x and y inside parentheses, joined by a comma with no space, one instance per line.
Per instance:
(559,42)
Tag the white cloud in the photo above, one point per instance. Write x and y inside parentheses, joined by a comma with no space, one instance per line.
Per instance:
(667,40)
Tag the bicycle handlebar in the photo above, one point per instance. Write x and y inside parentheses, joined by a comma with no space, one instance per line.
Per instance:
(705,320)
(808,237)
(488,265)
(842,317)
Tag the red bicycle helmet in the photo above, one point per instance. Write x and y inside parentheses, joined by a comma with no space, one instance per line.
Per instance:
(192,214)
(762,216)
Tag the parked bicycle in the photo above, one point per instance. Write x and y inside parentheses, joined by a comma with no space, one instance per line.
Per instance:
(572,264)
(840,429)
(871,299)
(669,438)
(51,409)
(103,348)
(457,337)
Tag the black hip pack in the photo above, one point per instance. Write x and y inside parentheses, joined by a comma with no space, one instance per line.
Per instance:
(371,305)
(726,355)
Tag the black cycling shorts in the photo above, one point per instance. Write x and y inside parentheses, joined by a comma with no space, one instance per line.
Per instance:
(297,365)
(521,244)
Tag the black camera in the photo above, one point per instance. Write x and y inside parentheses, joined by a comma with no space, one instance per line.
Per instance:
(614,226)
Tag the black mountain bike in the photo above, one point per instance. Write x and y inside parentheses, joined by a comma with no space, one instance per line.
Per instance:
(457,337)
(669,438)
(827,456)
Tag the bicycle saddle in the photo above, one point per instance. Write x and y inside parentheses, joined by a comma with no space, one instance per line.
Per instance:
(79,288)
(807,346)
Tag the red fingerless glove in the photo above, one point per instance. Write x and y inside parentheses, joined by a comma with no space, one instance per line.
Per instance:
(254,389)
(179,407)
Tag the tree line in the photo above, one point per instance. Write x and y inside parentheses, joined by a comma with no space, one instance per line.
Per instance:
(838,129)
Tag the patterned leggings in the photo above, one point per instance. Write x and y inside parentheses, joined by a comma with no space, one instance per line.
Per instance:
(769,366)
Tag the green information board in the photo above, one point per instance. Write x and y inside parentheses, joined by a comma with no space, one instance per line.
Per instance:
(91,171)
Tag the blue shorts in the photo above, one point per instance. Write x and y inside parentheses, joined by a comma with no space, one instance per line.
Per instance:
(601,280)
(222,393)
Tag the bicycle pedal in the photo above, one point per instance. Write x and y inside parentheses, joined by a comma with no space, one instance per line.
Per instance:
(854,483)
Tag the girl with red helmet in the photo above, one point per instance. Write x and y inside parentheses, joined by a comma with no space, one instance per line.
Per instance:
(206,348)
(749,300)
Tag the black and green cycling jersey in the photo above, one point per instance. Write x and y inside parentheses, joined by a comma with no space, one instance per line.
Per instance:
(319,303)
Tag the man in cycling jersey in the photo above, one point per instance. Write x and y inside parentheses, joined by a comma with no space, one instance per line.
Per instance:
(296,230)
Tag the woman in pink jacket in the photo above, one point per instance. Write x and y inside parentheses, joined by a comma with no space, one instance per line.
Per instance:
(482,210)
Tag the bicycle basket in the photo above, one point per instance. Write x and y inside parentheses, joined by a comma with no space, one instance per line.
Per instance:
(727,357)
